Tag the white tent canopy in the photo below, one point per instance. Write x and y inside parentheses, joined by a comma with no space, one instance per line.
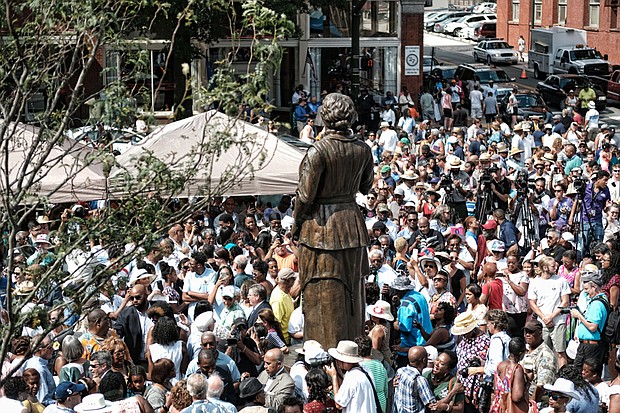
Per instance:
(259,162)
(63,172)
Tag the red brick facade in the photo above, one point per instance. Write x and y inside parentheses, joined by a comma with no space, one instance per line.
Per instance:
(605,37)
(412,34)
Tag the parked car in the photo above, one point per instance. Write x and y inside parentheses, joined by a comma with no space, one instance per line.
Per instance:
(429,63)
(485,30)
(529,104)
(503,83)
(555,88)
(440,26)
(495,51)
(467,21)
(487,7)
(430,23)
(443,74)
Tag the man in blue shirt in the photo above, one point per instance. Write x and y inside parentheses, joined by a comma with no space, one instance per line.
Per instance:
(507,230)
(413,313)
(591,324)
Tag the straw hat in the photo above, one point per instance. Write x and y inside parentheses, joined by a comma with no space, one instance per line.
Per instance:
(94,403)
(409,175)
(381,309)
(464,323)
(24,288)
(44,219)
(515,151)
(591,105)
(346,351)
(455,163)
(140,274)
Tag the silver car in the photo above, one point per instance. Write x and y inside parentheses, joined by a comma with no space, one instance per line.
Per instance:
(495,51)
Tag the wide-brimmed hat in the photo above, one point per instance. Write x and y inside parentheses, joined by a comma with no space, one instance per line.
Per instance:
(591,105)
(518,127)
(549,157)
(563,386)
(409,175)
(307,345)
(515,151)
(346,351)
(24,288)
(385,125)
(44,219)
(485,157)
(464,323)
(381,309)
(94,403)
(501,147)
(455,163)
(432,259)
(250,387)
(140,274)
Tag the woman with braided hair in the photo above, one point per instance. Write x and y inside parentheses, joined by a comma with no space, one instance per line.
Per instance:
(588,400)
(319,400)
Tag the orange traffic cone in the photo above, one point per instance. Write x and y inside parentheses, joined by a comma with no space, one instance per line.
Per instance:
(523,73)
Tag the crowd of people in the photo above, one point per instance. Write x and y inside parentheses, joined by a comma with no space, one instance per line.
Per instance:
(493,286)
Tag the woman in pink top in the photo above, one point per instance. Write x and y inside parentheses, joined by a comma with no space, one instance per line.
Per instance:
(446,106)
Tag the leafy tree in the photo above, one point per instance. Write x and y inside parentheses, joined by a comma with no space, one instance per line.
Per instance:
(51,59)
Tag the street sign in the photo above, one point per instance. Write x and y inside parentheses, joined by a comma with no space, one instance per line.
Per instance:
(412,60)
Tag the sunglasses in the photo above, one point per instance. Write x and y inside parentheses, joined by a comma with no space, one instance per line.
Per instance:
(557,396)
(429,266)
(438,279)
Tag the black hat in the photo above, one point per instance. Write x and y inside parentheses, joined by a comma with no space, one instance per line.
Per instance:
(250,387)
(240,321)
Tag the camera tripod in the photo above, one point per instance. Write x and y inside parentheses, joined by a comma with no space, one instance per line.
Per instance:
(523,215)
(579,228)
(484,203)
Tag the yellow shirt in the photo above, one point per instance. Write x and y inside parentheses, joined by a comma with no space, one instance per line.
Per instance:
(282,306)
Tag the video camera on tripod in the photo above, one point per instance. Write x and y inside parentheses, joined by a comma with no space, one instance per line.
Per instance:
(523,184)
(579,184)
(446,183)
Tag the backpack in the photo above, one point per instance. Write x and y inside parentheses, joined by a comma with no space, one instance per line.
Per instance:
(610,333)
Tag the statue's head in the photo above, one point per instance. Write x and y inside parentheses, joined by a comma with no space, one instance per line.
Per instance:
(338,112)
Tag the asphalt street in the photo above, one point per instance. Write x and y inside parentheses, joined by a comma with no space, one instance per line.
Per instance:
(455,51)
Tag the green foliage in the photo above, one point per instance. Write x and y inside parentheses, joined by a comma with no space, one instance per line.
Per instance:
(52,54)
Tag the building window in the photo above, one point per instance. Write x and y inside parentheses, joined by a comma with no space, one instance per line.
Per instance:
(538,11)
(594,11)
(613,22)
(562,12)
(379,18)
(516,10)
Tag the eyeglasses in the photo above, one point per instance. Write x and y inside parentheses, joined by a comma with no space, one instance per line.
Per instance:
(136,297)
(376,260)
(438,279)
(186,267)
(429,266)
(227,298)
(412,220)
(96,366)
(557,396)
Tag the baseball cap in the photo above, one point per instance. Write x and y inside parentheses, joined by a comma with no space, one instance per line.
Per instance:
(67,388)
(490,224)
(228,291)
(383,208)
(533,325)
(385,169)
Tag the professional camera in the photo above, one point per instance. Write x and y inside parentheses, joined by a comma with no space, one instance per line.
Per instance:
(475,362)
(522,183)
(321,361)
(566,310)
(580,186)
(486,178)
(445,182)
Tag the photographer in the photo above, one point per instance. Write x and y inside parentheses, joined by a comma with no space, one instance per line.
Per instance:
(243,350)
(591,323)
(594,202)
(498,186)
(456,184)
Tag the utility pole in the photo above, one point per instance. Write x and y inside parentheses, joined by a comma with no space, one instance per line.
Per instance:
(356,9)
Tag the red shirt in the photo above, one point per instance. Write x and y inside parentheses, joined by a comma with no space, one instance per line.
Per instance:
(495,291)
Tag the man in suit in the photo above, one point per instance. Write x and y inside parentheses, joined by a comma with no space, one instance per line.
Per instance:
(278,383)
(258,298)
(133,325)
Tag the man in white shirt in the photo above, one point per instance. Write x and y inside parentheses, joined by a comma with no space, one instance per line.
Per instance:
(547,295)
(388,139)
(356,392)
(380,272)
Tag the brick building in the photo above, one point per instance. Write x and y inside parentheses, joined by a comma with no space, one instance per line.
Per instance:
(599,17)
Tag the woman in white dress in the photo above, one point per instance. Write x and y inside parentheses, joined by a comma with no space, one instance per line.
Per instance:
(166,344)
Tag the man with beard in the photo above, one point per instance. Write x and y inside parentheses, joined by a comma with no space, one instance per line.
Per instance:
(500,188)
(133,325)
